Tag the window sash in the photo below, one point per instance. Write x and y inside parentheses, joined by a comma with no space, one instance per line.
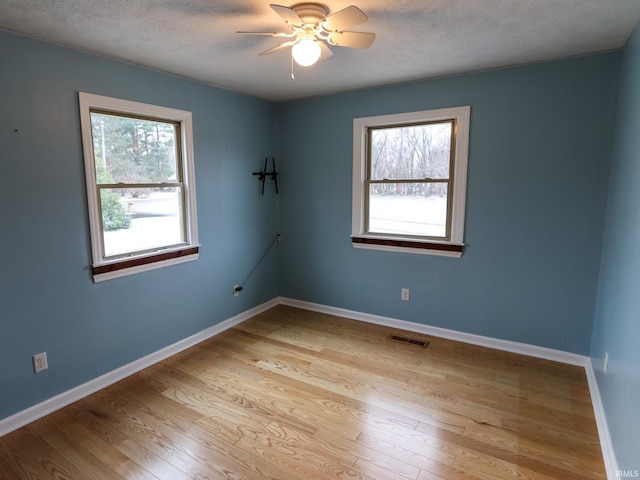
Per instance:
(396,126)
(144,251)
(177,136)
(140,185)
(411,181)
(367,209)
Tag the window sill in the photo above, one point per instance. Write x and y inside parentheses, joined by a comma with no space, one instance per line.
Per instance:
(420,247)
(130,266)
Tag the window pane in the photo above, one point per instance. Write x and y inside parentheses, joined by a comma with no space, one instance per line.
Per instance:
(408,209)
(411,152)
(133,150)
(140,220)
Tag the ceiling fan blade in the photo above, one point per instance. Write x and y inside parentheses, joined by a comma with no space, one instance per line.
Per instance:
(272,34)
(288,15)
(278,47)
(325,51)
(345,18)
(352,39)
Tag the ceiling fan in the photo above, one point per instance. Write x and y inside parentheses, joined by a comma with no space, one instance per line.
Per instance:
(312,31)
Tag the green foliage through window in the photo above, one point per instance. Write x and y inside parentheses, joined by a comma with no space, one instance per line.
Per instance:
(114,216)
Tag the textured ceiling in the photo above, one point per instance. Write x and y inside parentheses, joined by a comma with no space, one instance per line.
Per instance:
(415,39)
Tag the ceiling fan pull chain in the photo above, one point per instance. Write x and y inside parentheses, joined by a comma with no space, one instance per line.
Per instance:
(293,77)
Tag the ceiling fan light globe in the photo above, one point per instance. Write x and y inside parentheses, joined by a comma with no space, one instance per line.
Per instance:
(306,52)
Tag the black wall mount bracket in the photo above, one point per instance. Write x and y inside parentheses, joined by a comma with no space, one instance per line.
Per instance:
(262,175)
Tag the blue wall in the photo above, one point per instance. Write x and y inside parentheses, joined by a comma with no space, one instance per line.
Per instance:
(617,318)
(540,146)
(47,298)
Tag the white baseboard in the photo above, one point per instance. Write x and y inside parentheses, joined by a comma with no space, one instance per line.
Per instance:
(504,345)
(608,453)
(52,404)
(66,398)
(610,462)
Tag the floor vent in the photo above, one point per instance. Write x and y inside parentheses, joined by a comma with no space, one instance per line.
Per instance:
(410,341)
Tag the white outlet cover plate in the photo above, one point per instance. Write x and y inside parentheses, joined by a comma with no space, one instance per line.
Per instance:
(40,362)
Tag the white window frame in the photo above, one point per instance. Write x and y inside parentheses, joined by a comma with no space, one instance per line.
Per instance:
(106,269)
(360,238)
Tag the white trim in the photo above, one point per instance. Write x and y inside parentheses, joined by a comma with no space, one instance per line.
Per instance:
(608,454)
(101,277)
(87,101)
(498,344)
(419,251)
(52,404)
(360,126)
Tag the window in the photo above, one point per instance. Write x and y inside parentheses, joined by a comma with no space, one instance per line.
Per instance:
(410,180)
(140,185)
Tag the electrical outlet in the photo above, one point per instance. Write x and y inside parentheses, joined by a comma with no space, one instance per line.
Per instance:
(606,362)
(404,294)
(236,290)
(40,362)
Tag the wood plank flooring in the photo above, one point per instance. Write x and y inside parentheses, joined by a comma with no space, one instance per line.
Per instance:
(292,394)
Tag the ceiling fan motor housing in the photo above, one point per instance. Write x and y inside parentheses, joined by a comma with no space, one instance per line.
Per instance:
(310,13)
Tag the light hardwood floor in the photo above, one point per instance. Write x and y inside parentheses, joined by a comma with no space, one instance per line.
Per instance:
(292,394)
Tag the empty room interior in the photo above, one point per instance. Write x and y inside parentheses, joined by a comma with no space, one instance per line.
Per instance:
(408,251)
